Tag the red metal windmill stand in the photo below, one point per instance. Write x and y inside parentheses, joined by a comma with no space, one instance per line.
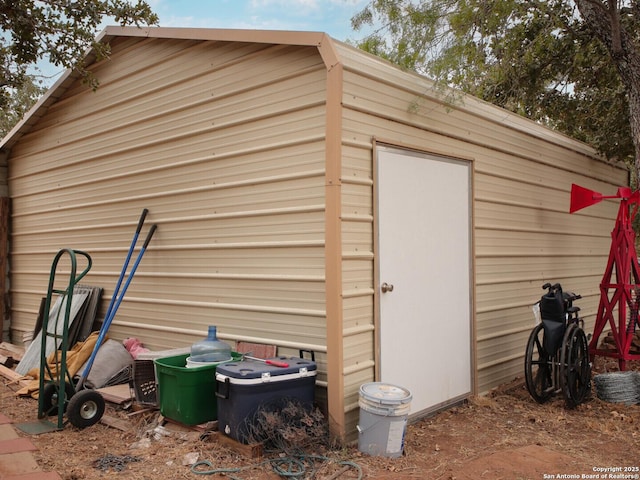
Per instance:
(621,281)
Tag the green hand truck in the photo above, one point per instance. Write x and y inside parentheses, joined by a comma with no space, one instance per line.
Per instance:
(55,384)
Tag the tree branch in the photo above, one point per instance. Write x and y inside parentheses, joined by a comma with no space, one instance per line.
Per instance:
(616,33)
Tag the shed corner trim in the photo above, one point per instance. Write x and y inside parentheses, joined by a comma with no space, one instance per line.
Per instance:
(328,52)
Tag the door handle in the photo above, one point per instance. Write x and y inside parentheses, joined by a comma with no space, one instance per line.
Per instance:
(386,287)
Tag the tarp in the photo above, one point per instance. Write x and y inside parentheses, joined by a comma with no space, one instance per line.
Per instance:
(113,365)
(76,357)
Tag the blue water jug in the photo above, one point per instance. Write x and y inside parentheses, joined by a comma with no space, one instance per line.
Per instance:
(210,349)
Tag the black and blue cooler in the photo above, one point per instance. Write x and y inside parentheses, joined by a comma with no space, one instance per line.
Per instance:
(246,388)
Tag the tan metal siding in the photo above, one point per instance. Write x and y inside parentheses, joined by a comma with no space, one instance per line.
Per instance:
(224,144)
(387,92)
(357,273)
(523,232)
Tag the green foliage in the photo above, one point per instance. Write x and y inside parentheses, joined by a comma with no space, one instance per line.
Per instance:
(537,58)
(19,103)
(58,30)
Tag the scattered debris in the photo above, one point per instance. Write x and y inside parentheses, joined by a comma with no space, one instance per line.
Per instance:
(190,458)
(114,422)
(159,432)
(141,444)
(114,462)
(11,350)
(8,362)
(14,378)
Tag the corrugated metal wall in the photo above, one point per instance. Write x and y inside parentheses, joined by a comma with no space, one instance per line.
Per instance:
(523,235)
(224,144)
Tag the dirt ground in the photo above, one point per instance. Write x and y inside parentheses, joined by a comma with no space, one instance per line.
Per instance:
(504,435)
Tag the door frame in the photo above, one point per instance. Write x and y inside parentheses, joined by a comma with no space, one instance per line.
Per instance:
(376,274)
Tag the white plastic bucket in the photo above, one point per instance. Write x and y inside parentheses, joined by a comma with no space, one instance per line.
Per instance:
(192,364)
(384,409)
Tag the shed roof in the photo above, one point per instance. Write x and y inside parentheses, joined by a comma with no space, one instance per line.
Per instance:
(277,37)
(329,50)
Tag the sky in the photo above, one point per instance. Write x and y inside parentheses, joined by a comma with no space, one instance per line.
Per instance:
(329,16)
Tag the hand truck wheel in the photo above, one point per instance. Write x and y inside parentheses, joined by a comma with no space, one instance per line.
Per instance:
(575,369)
(51,396)
(85,408)
(537,367)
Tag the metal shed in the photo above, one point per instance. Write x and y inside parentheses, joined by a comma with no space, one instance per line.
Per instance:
(307,195)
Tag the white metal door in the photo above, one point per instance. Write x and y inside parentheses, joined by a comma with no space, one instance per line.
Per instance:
(424,255)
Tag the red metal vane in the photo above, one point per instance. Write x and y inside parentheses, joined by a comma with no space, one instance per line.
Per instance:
(620,286)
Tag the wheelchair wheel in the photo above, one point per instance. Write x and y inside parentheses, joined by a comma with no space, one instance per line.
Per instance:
(537,367)
(575,369)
